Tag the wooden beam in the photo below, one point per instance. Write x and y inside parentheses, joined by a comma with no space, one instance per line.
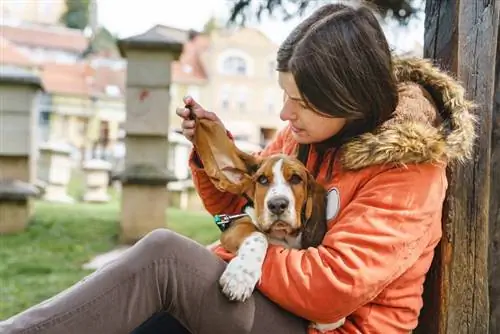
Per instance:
(461,35)
(494,256)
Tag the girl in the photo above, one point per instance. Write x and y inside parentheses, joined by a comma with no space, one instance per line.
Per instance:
(378,133)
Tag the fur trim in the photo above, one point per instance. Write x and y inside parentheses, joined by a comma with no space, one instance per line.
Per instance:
(431,124)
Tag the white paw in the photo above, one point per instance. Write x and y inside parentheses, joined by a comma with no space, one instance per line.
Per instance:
(239,278)
(243,272)
(328,327)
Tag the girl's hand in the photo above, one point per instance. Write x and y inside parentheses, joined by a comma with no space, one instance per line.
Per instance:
(188,123)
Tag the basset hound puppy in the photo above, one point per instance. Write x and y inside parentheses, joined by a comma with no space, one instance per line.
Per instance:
(288,207)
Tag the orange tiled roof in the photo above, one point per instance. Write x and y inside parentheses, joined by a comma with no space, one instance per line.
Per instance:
(51,38)
(10,55)
(80,79)
(104,76)
(72,79)
(189,67)
(83,80)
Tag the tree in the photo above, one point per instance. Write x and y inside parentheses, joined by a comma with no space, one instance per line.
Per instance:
(102,41)
(76,15)
(242,10)
(210,25)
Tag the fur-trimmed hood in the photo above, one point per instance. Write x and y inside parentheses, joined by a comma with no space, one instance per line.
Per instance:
(432,122)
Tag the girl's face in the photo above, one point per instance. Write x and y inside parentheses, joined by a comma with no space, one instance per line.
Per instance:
(308,126)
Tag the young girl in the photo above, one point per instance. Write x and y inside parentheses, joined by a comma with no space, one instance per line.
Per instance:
(378,133)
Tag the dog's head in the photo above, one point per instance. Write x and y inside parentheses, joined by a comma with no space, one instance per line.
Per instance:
(287,199)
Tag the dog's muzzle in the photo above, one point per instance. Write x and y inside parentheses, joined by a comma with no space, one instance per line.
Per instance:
(278,205)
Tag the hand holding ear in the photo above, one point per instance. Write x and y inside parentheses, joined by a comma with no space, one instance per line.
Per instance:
(188,124)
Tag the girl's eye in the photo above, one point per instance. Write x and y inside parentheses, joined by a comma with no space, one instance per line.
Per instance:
(263,180)
(295,179)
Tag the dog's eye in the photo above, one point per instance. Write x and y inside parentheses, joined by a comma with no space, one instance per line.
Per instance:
(263,179)
(295,179)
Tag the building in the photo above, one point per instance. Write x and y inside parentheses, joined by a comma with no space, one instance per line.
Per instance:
(83,103)
(229,72)
(233,74)
(32,11)
(45,43)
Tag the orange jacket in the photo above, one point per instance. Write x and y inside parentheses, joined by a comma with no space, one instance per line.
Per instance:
(384,208)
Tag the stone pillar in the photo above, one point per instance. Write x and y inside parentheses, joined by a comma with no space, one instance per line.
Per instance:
(19,91)
(145,176)
(54,170)
(96,181)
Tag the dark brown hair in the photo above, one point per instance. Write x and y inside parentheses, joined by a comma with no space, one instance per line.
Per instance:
(342,65)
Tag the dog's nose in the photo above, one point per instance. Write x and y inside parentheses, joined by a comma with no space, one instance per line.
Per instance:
(278,205)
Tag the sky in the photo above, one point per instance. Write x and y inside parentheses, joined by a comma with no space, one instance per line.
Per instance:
(126,18)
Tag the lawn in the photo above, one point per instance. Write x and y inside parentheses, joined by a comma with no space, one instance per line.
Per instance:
(49,255)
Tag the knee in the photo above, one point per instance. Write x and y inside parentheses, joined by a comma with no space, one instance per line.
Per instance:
(164,243)
(159,236)
(160,240)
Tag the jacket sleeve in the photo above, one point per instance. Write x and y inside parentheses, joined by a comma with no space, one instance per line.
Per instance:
(377,236)
(214,200)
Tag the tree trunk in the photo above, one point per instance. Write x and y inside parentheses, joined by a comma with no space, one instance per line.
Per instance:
(461,36)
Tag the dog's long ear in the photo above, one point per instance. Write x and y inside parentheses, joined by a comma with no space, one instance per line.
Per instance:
(229,168)
(314,224)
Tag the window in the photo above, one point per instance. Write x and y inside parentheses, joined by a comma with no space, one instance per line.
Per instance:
(224,97)
(242,99)
(112,90)
(272,69)
(270,99)
(242,137)
(45,102)
(82,125)
(44,118)
(235,62)
(235,65)
(44,126)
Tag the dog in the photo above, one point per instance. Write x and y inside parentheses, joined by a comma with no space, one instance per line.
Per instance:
(288,206)
(289,209)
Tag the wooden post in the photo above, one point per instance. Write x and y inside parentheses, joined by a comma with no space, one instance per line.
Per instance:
(461,35)
(494,263)
(146,174)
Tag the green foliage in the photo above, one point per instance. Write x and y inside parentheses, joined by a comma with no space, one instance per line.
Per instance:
(102,41)
(48,257)
(76,15)
(242,10)
(210,25)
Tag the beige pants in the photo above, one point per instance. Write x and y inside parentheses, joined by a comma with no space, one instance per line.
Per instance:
(163,271)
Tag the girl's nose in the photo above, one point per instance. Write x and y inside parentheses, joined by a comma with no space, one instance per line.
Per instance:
(287,113)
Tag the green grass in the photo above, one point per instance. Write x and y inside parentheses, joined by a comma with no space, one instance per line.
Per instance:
(48,256)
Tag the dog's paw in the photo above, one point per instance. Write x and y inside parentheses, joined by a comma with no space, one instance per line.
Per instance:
(323,328)
(239,278)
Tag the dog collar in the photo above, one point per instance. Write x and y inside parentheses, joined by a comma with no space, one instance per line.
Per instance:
(223,221)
